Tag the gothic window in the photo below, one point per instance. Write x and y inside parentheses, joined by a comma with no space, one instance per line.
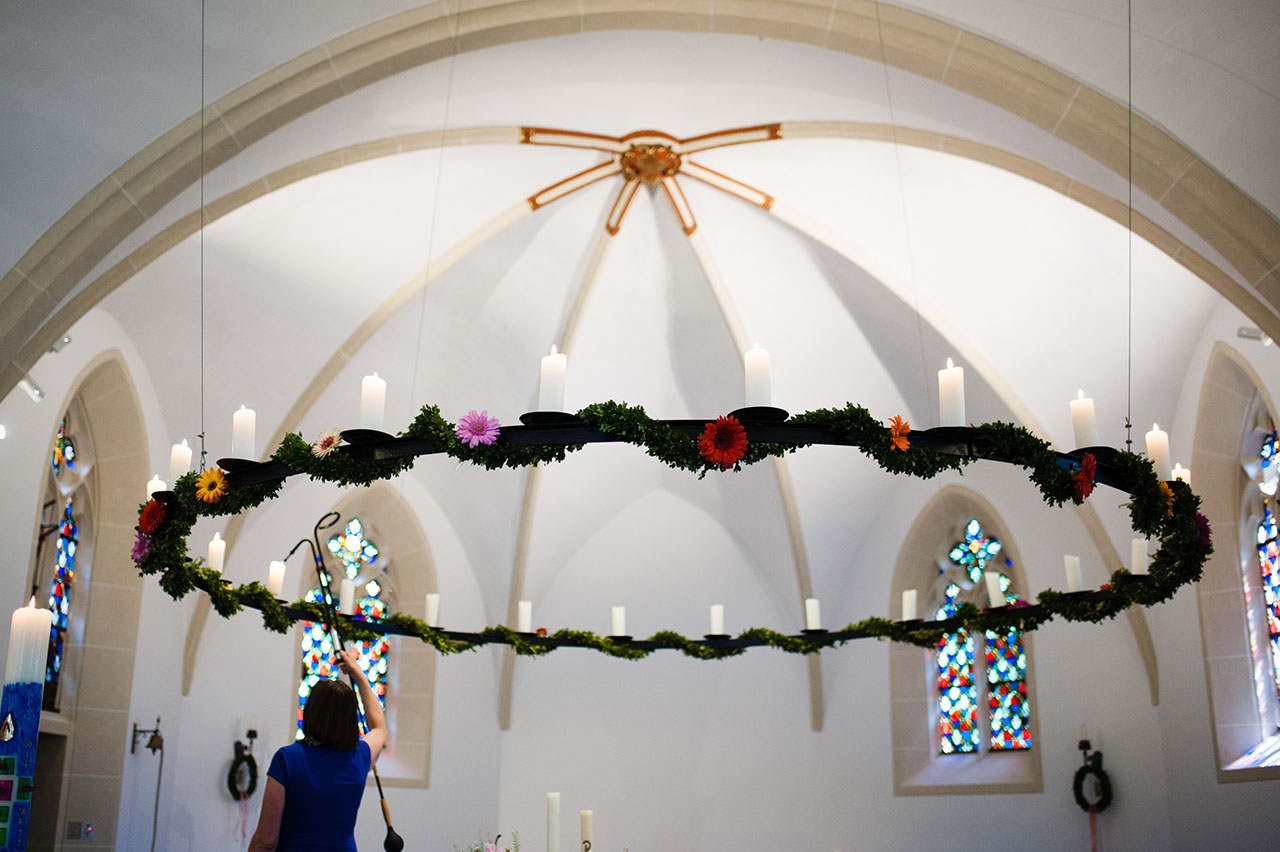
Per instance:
(64,575)
(1269,553)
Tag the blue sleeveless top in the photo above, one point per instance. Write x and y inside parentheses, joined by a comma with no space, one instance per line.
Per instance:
(323,788)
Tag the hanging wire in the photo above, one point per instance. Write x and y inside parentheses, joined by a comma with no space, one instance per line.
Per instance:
(202,43)
(1128,417)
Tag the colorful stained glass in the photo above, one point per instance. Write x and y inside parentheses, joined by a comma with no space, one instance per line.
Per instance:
(64,577)
(1007,688)
(64,450)
(1269,561)
(1267,453)
(975,551)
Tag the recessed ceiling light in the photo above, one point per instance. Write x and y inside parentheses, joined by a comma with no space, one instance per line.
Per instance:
(32,389)
(60,343)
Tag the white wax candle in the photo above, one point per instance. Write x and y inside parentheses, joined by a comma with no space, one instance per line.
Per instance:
(951,395)
(759,390)
(346,597)
(619,621)
(1138,556)
(524,617)
(1158,452)
(154,484)
(1075,580)
(275,578)
(243,424)
(551,382)
(28,644)
(179,461)
(909,605)
(373,401)
(717,619)
(217,552)
(253,722)
(1083,421)
(553,822)
(1182,473)
(995,594)
(812,614)
(585,816)
(432,615)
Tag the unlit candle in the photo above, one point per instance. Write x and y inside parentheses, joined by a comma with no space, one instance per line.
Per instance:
(619,621)
(524,617)
(432,614)
(346,597)
(373,401)
(1138,556)
(909,605)
(275,578)
(717,619)
(995,594)
(1075,580)
(553,822)
(812,614)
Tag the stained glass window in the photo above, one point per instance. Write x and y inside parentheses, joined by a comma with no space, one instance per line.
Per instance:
(64,450)
(1269,559)
(64,576)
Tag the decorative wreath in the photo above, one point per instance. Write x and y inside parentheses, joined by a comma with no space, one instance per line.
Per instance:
(1104,788)
(243,759)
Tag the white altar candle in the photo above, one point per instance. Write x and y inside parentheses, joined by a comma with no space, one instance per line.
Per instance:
(1182,473)
(553,822)
(812,614)
(275,578)
(524,617)
(717,619)
(346,597)
(28,645)
(243,424)
(373,401)
(217,552)
(1138,556)
(951,395)
(619,621)
(909,605)
(759,383)
(154,484)
(1075,580)
(551,382)
(432,615)
(1158,452)
(253,721)
(995,594)
(585,816)
(1083,421)
(179,461)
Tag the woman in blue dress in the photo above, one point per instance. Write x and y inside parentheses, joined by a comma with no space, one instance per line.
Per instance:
(314,787)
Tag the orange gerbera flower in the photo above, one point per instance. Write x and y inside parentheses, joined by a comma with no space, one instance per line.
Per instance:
(898,431)
(1082,480)
(723,442)
(211,485)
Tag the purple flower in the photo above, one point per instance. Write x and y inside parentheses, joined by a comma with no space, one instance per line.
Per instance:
(141,547)
(477,429)
(1202,529)
(1020,603)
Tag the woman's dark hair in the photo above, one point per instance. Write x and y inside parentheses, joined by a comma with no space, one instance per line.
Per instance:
(329,716)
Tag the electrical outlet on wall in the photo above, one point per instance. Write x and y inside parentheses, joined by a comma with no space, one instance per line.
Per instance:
(79,830)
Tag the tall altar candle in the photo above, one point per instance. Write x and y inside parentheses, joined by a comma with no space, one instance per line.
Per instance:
(812,614)
(951,395)
(995,594)
(553,822)
(619,621)
(179,461)
(243,425)
(551,381)
(154,484)
(217,552)
(909,605)
(1158,452)
(373,401)
(1083,421)
(346,597)
(717,619)
(20,717)
(1075,580)
(275,578)
(1138,556)
(524,617)
(432,614)
(585,816)
(759,390)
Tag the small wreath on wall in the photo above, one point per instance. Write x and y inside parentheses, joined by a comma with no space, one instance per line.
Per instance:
(246,765)
(1103,787)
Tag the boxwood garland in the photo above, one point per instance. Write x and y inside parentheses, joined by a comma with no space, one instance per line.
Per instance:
(1167,511)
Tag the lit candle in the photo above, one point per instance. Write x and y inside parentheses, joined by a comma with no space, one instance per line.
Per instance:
(346,597)
(1138,556)
(585,816)
(717,619)
(553,822)
(951,395)
(812,614)
(217,552)
(1075,580)
(619,621)
(154,484)
(909,605)
(1083,421)
(373,401)
(243,424)
(524,617)
(275,578)
(995,594)
(758,378)
(179,461)
(432,615)
(28,649)
(20,708)
(551,383)
(1158,452)
(1182,473)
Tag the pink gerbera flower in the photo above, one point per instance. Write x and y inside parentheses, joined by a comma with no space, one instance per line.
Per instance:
(476,429)
(326,442)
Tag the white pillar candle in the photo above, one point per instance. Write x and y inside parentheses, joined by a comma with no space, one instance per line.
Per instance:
(812,614)
(432,615)
(995,594)
(253,721)
(759,383)
(1158,452)
(553,822)
(1138,556)
(951,395)
(179,461)
(1075,580)
(346,597)
(717,619)
(28,646)
(1083,421)
(551,382)
(619,621)
(909,605)
(154,484)
(524,617)
(275,578)
(217,552)
(373,401)
(1182,473)
(243,424)
(585,816)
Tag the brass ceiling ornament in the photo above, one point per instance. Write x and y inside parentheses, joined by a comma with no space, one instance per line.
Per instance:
(649,163)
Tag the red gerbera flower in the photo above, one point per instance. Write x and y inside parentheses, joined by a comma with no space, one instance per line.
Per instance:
(152,517)
(1082,480)
(724,442)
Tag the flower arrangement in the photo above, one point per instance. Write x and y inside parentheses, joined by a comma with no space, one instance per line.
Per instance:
(211,485)
(898,431)
(326,442)
(492,845)
(1082,480)
(724,442)
(476,429)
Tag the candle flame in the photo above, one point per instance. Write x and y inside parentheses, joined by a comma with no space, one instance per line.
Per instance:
(217,536)
(949,364)
(1080,394)
(553,349)
(31,604)
(1155,427)
(242,408)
